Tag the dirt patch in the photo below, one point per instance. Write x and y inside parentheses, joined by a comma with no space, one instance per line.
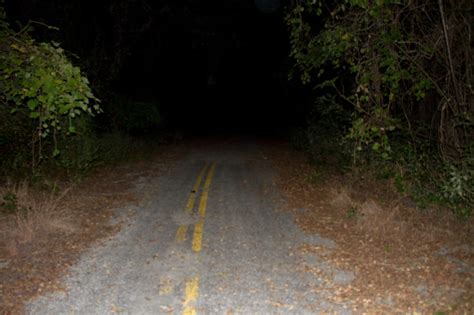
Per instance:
(47,235)
(405,260)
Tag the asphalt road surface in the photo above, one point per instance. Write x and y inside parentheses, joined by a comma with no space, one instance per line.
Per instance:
(209,237)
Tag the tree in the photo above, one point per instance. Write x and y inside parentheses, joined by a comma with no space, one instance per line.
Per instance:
(404,67)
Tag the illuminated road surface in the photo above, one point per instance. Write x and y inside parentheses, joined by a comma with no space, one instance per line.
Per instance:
(209,237)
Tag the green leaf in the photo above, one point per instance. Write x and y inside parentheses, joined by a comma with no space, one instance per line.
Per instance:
(32,104)
(72,129)
(56,152)
(34,115)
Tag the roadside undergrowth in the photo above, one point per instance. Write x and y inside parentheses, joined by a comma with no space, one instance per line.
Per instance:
(46,226)
(405,259)
(29,214)
(44,231)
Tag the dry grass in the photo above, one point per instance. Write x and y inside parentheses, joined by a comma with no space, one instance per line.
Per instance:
(36,213)
(370,216)
(42,235)
(39,243)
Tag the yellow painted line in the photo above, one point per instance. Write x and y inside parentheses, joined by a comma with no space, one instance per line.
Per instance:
(207,184)
(182,229)
(189,310)
(191,296)
(197,236)
(203,204)
(192,196)
(205,192)
(181,233)
(192,285)
(198,228)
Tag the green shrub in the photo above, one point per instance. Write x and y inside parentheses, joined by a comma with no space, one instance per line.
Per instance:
(41,91)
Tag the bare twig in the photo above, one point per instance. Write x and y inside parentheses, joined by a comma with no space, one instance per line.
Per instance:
(448,49)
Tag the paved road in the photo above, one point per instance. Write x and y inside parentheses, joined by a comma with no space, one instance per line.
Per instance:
(209,237)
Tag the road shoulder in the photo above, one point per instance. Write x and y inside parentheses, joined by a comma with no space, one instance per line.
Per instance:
(405,260)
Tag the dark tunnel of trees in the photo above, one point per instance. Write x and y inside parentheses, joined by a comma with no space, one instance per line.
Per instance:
(351,82)
(212,64)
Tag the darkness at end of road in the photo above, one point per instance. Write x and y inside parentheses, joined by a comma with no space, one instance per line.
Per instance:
(212,66)
(225,72)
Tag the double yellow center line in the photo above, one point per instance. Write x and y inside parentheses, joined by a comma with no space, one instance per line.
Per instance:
(197,236)
(183,229)
(192,285)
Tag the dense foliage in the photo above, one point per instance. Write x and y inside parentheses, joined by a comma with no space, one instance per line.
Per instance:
(42,94)
(402,70)
(48,107)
